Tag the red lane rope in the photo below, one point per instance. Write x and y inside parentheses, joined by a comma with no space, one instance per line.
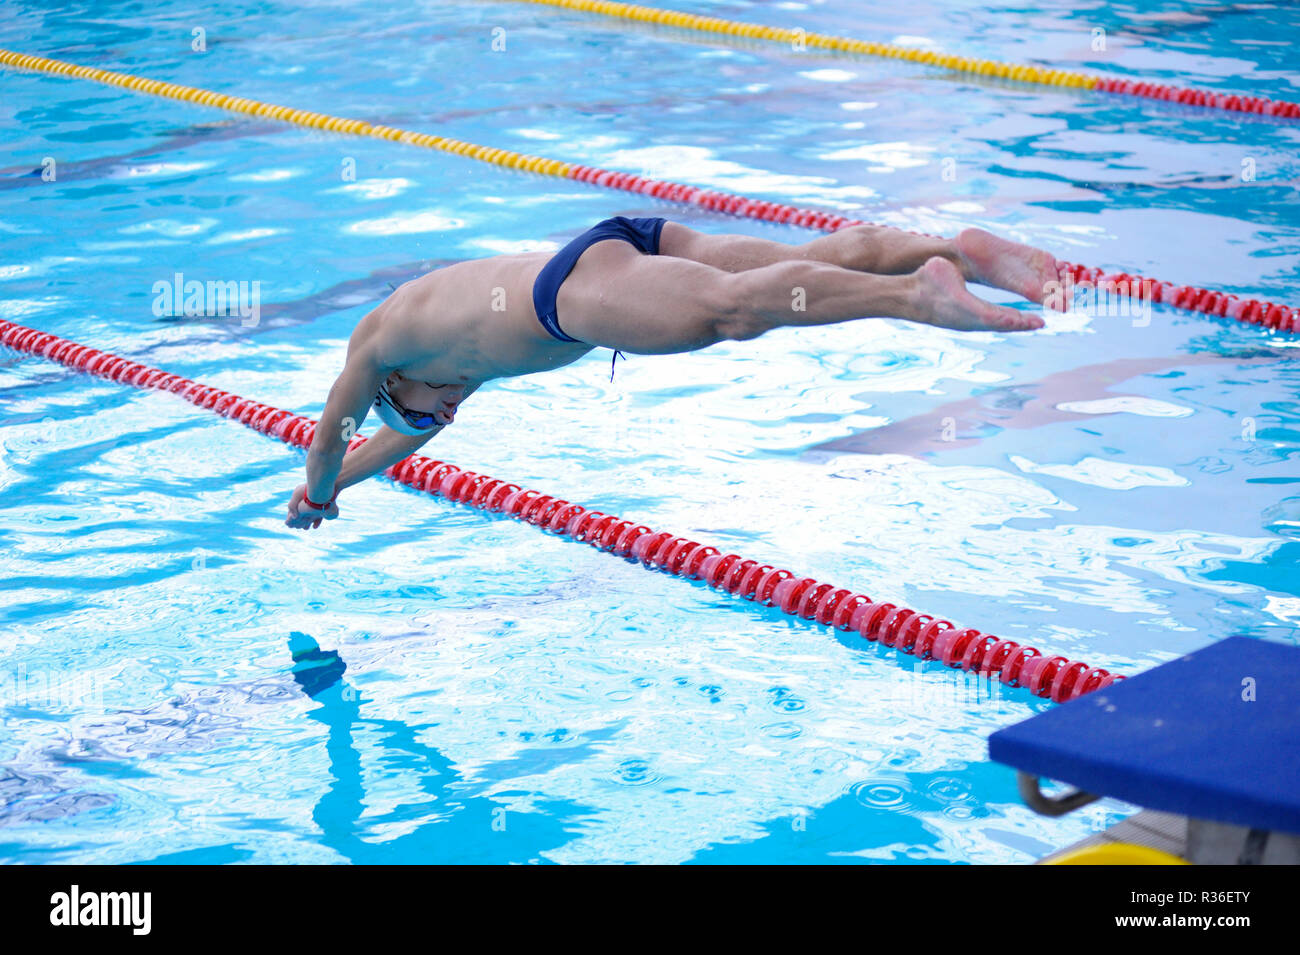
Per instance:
(921,635)
(1190,96)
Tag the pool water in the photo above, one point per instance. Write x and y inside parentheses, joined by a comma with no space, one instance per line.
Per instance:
(182,678)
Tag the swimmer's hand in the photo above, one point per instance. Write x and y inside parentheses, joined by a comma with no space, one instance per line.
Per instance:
(304,518)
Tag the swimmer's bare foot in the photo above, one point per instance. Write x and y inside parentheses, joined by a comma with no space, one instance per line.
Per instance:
(942,299)
(1000,263)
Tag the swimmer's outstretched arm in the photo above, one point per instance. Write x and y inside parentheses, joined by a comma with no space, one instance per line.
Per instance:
(384,449)
(380,452)
(345,409)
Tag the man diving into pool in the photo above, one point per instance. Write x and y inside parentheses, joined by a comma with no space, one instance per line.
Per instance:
(655,288)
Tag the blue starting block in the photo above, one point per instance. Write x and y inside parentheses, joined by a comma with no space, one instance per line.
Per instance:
(1213,736)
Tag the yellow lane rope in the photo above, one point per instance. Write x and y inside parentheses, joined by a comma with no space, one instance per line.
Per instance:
(299,117)
(1019,72)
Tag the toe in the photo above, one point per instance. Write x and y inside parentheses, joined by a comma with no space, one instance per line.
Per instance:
(1011,320)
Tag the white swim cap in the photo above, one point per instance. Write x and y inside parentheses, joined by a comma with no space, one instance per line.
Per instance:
(391,414)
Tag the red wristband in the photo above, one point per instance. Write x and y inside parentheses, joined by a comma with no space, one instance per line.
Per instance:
(313,505)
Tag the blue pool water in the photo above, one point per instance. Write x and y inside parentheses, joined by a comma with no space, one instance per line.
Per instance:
(184,679)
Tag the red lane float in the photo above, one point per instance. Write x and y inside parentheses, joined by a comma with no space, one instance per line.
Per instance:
(908,631)
(1261,105)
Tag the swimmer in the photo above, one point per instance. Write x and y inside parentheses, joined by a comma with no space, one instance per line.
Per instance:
(641,286)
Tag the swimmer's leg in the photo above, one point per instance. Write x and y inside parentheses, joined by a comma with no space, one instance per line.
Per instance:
(657,304)
(978,255)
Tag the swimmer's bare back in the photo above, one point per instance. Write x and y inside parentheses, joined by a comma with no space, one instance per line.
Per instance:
(642,286)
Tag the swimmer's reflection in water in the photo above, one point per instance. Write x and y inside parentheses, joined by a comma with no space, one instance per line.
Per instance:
(459,824)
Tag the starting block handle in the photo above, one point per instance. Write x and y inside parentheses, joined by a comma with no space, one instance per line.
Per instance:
(1045,805)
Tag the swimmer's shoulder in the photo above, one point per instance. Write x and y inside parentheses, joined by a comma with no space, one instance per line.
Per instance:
(387,328)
